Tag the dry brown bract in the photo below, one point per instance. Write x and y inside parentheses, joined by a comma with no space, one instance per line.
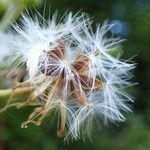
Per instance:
(55,84)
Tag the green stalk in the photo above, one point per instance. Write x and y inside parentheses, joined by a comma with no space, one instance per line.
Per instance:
(9,92)
(11,14)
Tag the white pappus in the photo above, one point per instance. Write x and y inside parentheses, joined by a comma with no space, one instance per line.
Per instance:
(73,69)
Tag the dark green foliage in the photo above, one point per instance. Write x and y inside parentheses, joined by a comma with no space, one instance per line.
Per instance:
(134,134)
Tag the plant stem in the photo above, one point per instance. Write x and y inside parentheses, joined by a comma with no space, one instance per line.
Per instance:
(10,15)
(9,92)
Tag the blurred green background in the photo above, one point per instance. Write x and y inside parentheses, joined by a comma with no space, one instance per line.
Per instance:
(132,22)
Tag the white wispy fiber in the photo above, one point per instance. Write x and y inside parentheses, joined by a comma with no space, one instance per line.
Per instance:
(5,45)
(37,34)
(74,71)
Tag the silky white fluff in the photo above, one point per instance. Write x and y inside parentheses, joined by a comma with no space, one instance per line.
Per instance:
(108,103)
(5,45)
(37,34)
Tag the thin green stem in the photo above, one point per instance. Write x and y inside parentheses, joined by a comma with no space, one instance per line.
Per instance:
(11,14)
(9,92)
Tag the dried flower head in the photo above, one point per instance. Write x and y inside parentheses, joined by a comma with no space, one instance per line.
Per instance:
(72,71)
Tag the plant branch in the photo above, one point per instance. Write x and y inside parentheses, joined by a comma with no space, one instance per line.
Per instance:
(11,14)
(20,90)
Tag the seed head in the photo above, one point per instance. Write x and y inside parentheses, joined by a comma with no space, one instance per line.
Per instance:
(73,72)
